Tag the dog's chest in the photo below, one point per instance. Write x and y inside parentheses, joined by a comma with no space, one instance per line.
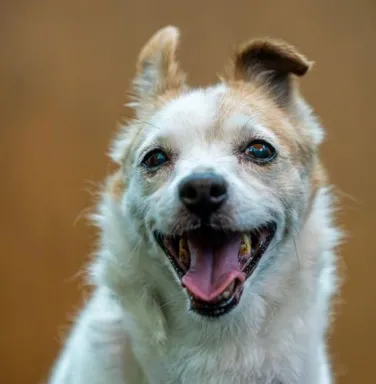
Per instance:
(223,365)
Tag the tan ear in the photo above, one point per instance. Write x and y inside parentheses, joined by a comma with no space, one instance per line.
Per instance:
(270,63)
(157,68)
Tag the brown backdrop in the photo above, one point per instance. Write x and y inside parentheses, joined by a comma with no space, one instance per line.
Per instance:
(64,66)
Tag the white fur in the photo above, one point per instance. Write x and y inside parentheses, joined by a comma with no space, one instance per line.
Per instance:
(136,328)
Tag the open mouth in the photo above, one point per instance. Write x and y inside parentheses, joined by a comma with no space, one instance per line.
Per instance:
(213,265)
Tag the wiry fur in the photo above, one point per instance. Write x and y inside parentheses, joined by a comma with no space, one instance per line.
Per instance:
(137,328)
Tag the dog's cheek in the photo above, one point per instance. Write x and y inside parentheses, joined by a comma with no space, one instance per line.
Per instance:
(149,200)
(165,208)
(136,198)
(293,193)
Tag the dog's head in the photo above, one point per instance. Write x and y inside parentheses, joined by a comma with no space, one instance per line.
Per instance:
(218,179)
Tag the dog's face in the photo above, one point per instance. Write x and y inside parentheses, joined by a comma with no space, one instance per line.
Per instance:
(219,178)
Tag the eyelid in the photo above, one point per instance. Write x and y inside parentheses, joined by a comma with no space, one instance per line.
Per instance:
(141,156)
(269,140)
(153,147)
(241,144)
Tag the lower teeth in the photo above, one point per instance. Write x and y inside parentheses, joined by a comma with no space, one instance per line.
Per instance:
(227,293)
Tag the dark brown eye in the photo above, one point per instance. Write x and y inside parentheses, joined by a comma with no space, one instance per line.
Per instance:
(155,159)
(260,151)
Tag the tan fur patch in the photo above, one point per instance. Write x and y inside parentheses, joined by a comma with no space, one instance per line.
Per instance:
(319,179)
(319,176)
(158,71)
(164,44)
(268,113)
(116,185)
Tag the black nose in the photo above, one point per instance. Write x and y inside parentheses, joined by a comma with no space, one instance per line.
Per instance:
(203,193)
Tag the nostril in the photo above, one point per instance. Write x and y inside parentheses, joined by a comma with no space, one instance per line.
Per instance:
(218,191)
(189,193)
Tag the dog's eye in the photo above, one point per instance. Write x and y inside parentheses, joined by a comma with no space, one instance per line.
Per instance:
(260,151)
(155,158)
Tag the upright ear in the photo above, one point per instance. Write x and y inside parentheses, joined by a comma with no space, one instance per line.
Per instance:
(270,63)
(157,68)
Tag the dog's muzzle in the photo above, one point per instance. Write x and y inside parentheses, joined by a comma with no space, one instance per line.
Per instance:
(213,264)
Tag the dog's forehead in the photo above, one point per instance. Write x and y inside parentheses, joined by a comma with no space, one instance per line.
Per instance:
(206,114)
(199,107)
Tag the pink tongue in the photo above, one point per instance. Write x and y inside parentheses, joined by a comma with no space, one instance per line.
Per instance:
(214,264)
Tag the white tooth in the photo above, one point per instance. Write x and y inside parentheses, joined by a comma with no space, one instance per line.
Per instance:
(226,294)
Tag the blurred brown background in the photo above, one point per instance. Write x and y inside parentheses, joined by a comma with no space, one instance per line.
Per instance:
(64,67)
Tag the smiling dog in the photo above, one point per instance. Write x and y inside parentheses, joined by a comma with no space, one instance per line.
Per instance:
(216,261)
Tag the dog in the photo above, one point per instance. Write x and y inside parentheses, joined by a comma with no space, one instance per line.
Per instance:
(216,262)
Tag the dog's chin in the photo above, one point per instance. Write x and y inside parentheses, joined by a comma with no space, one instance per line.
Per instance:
(213,265)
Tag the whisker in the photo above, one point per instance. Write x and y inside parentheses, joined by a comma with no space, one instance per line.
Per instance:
(146,122)
(167,303)
(134,251)
(82,214)
(178,294)
(246,123)
(92,183)
(296,250)
(78,276)
(274,247)
(346,195)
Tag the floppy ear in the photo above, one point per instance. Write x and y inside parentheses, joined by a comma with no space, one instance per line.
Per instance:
(157,68)
(270,63)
